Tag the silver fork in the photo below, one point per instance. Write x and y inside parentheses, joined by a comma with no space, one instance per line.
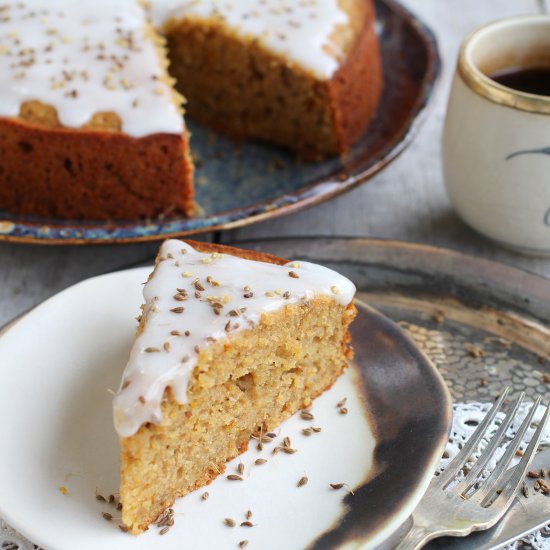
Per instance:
(465,507)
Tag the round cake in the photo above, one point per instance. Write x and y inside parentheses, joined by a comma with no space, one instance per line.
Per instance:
(91,109)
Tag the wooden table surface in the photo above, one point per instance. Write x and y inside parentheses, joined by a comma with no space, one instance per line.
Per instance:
(406,201)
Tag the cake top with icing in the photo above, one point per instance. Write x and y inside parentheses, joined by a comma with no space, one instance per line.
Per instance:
(84,58)
(194,299)
(299,30)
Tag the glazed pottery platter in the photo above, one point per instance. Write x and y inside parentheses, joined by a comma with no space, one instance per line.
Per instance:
(242,183)
(332,492)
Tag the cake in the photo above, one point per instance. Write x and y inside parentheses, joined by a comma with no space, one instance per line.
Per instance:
(91,124)
(230,343)
(304,75)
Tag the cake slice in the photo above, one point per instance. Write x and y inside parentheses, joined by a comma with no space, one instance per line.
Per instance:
(304,75)
(90,125)
(230,343)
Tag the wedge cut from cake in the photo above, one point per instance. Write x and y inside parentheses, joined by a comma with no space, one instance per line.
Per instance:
(230,343)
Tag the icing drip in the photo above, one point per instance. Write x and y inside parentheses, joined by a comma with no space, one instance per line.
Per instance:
(84,58)
(298,30)
(193,298)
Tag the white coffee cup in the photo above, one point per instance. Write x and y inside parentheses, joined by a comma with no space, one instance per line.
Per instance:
(496,140)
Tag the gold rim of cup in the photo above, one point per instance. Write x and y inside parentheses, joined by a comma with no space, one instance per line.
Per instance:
(484,86)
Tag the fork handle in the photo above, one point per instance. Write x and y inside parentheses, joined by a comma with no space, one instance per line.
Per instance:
(417,537)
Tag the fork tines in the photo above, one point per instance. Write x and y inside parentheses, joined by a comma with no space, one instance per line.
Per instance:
(494,484)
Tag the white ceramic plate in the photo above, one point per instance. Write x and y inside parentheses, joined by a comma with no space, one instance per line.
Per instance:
(56,366)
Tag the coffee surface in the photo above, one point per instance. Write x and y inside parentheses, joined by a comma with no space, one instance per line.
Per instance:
(533,80)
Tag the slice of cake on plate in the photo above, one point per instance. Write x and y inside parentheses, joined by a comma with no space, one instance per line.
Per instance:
(230,343)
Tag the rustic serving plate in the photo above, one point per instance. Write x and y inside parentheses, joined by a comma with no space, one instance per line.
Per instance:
(63,448)
(250,182)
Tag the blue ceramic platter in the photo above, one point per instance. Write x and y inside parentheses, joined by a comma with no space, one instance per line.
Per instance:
(243,183)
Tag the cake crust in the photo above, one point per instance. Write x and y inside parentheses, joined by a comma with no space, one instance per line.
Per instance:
(92,174)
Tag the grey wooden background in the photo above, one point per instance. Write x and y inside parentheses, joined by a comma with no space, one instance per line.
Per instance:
(407,201)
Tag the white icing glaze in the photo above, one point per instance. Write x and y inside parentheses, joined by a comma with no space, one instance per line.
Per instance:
(85,58)
(299,30)
(159,359)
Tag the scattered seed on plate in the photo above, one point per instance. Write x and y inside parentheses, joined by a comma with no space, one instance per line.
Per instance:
(230,522)
(306,415)
(343,410)
(240,468)
(341,403)
(107,516)
(205,496)
(123,528)
(336,485)
(316,429)
(307,431)
(243,544)
(302,481)
(234,477)
(260,461)
(248,514)
(247,524)
(164,530)
(525,490)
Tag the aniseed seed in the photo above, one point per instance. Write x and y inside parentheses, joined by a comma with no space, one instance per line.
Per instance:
(343,410)
(229,522)
(306,415)
(177,310)
(240,468)
(205,496)
(533,475)
(151,350)
(164,530)
(260,461)
(302,481)
(248,514)
(341,403)
(243,544)
(111,499)
(101,498)
(286,442)
(525,490)
(336,485)
(288,450)
(307,431)
(234,477)
(107,516)
(316,430)
(175,333)
(293,275)
(123,528)
(247,524)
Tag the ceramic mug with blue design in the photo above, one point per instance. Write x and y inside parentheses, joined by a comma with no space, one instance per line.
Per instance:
(496,140)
